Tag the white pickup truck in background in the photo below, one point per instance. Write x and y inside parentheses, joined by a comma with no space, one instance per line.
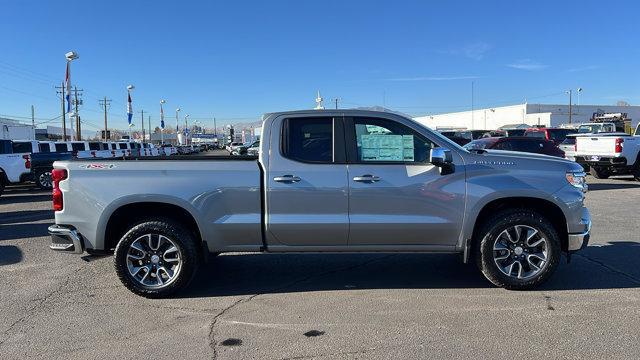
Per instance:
(609,154)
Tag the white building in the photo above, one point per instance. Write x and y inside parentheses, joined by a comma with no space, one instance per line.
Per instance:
(14,130)
(531,114)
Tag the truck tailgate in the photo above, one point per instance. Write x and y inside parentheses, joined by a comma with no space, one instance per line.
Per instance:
(597,145)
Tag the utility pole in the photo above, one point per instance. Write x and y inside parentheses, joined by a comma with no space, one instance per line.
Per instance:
(33,118)
(105,103)
(64,120)
(142,117)
(149,123)
(78,126)
(215,128)
(336,101)
(570,110)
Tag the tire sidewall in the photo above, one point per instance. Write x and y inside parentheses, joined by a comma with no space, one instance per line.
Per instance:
(506,220)
(184,241)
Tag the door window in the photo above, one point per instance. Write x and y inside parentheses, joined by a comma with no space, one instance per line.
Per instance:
(382,140)
(61,147)
(308,140)
(43,147)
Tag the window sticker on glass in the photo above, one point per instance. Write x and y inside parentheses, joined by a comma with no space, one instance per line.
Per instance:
(387,147)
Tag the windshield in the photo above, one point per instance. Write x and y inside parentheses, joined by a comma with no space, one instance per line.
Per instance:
(480,144)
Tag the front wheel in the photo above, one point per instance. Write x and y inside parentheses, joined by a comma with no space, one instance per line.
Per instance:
(517,249)
(156,258)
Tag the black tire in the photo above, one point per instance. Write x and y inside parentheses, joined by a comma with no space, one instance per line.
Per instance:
(599,173)
(1,184)
(488,235)
(183,239)
(43,179)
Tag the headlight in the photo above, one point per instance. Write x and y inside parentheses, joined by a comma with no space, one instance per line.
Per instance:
(577,179)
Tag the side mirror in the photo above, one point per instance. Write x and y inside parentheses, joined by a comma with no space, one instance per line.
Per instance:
(440,157)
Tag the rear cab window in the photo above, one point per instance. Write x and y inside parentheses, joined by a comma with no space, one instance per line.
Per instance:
(21,147)
(308,139)
(558,135)
(536,133)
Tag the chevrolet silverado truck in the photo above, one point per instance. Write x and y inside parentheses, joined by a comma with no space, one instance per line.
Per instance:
(609,154)
(14,167)
(325,181)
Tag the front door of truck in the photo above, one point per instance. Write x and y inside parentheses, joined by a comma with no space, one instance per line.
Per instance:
(307,187)
(396,196)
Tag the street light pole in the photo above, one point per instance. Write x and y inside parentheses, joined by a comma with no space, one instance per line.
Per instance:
(186,129)
(177,127)
(161,123)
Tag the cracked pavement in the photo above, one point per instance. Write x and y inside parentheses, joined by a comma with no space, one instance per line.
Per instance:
(331,306)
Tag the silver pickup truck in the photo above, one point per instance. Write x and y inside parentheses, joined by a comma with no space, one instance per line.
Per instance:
(325,181)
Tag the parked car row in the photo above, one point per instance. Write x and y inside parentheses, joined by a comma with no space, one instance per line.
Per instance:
(600,148)
(31,160)
(248,148)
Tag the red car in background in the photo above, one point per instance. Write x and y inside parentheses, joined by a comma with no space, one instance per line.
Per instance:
(517,143)
(557,135)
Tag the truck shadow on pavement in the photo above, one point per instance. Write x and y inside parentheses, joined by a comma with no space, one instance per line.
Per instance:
(600,267)
(10,254)
(8,198)
(22,224)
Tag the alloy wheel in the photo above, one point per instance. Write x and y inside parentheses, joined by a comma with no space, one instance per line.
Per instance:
(154,260)
(521,252)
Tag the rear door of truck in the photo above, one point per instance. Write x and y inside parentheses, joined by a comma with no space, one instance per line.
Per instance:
(306,182)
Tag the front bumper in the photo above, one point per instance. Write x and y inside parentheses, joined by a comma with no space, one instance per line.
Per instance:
(577,241)
(65,239)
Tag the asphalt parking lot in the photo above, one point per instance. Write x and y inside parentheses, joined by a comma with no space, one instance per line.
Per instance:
(379,306)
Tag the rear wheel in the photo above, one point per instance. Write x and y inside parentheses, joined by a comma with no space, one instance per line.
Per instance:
(517,249)
(43,179)
(599,173)
(156,258)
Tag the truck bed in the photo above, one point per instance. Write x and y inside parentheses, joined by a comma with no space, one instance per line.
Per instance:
(223,194)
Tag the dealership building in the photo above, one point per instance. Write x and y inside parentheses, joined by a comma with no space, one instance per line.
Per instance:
(551,115)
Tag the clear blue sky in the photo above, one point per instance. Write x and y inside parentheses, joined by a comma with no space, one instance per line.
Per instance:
(238,59)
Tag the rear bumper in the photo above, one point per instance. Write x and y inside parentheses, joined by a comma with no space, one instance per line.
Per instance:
(65,239)
(602,160)
(578,241)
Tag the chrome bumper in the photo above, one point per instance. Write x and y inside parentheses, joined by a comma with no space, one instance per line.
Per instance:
(65,239)
(580,240)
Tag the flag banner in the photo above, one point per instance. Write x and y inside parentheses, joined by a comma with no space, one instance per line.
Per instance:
(67,86)
(161,117)
(129,109)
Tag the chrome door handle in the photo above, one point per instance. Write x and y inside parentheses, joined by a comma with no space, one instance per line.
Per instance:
(367,178)
(286,179)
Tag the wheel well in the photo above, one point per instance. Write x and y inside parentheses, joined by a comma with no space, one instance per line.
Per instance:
(127,215)
(550,210)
